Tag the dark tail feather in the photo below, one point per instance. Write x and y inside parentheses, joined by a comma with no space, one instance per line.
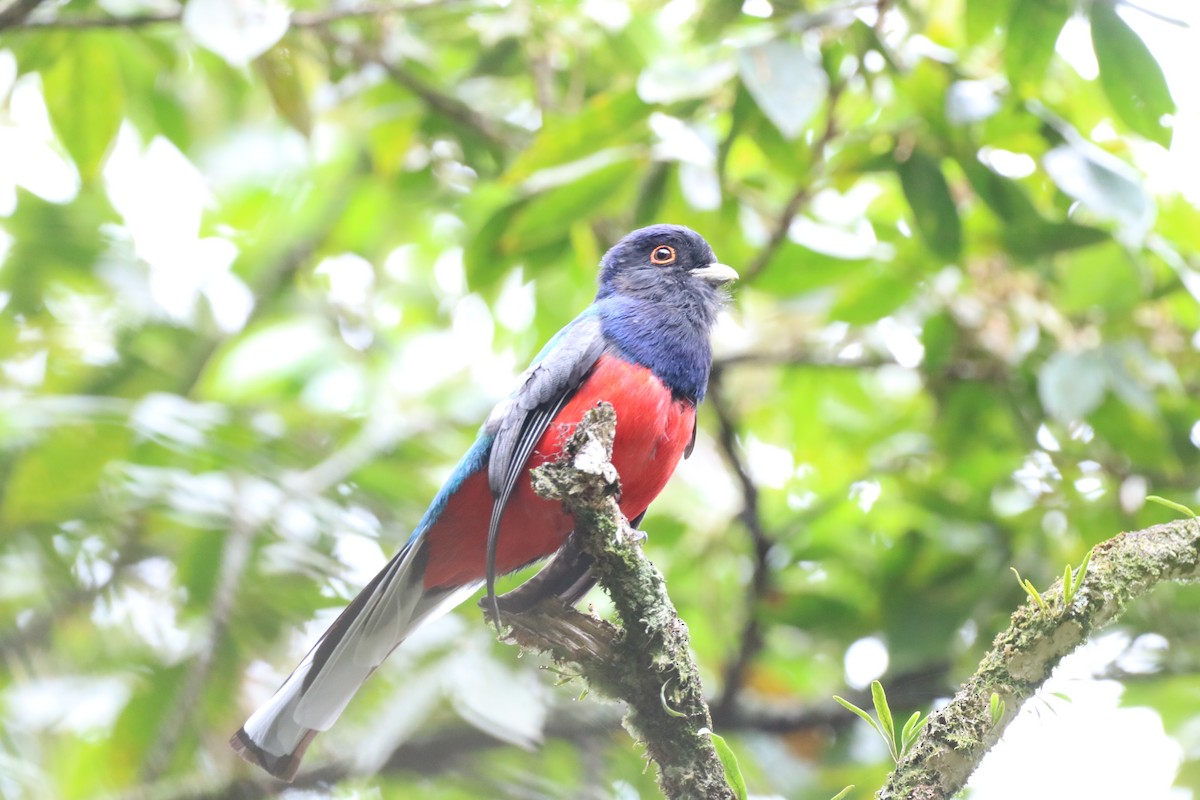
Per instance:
(283,767)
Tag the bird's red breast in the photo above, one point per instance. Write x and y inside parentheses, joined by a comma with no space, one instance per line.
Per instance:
(653,430)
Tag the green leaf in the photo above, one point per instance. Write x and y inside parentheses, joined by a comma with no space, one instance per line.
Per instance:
(1082,572)
(846,704)
(85,99)
(983,18)
(1033,28)
(1037,238)
(279,70)
(933,207)
(269,358)
(879,698)
(1171,504)
(871,298)
(995,708)
(60,477)
(716,17)
(548,217)
(1030,590)
(1003,196)
(1073,579)
(787,82)
(1130,75)
(729,761)
(796,269)
(1100,277)
(609,119)
(52,243)
(911,729)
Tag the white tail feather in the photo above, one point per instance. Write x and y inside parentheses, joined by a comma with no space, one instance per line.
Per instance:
(315,695)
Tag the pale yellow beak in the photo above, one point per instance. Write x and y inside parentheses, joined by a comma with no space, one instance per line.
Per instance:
(716,274)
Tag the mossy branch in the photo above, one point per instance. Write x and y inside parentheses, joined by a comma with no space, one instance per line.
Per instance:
(957,737)
(644,660)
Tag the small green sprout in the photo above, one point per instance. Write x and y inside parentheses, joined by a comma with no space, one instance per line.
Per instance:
(662,695)
(995,709)
(840,795)
(562,676)
(1071,583)
(1030,590)
(1171,504)
(898,747)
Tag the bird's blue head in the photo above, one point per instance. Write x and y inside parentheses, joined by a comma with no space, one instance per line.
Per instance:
(666,262)
(660,293)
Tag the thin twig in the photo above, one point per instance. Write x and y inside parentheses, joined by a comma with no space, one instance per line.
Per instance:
(802,358)
(235,557)
(441,103)
(827,17)
(804,193)
(1176,21)
(750,641)
(447,749)
(300,19)
(15,13)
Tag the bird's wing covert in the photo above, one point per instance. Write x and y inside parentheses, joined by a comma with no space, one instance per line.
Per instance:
(519,423)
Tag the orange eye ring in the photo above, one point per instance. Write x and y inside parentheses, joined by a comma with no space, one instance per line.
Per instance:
(662,255)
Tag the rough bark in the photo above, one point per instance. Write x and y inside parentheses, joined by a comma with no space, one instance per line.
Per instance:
(644,660)
(1022,657)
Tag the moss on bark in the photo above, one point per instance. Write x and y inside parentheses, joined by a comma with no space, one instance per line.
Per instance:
(645,660)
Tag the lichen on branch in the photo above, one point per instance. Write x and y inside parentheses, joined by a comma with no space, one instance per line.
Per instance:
(643,660)
(1022,657)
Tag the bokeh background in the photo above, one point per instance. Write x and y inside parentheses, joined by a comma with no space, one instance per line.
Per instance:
(264,269)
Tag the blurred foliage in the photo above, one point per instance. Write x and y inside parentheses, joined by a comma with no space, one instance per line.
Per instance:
(262,279)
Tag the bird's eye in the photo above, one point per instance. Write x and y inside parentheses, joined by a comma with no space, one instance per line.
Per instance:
(662,255)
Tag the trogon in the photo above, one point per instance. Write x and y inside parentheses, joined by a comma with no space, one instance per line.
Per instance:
(644,346)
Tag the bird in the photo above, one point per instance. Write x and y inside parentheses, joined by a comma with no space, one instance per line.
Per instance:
(645,346)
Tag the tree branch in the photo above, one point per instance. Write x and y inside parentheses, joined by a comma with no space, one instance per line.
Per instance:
(957,737)
(802,194)
(14,13)
(802,357)
(300,19)
(751,640)
(446,105)
(646,661)
(235,556)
